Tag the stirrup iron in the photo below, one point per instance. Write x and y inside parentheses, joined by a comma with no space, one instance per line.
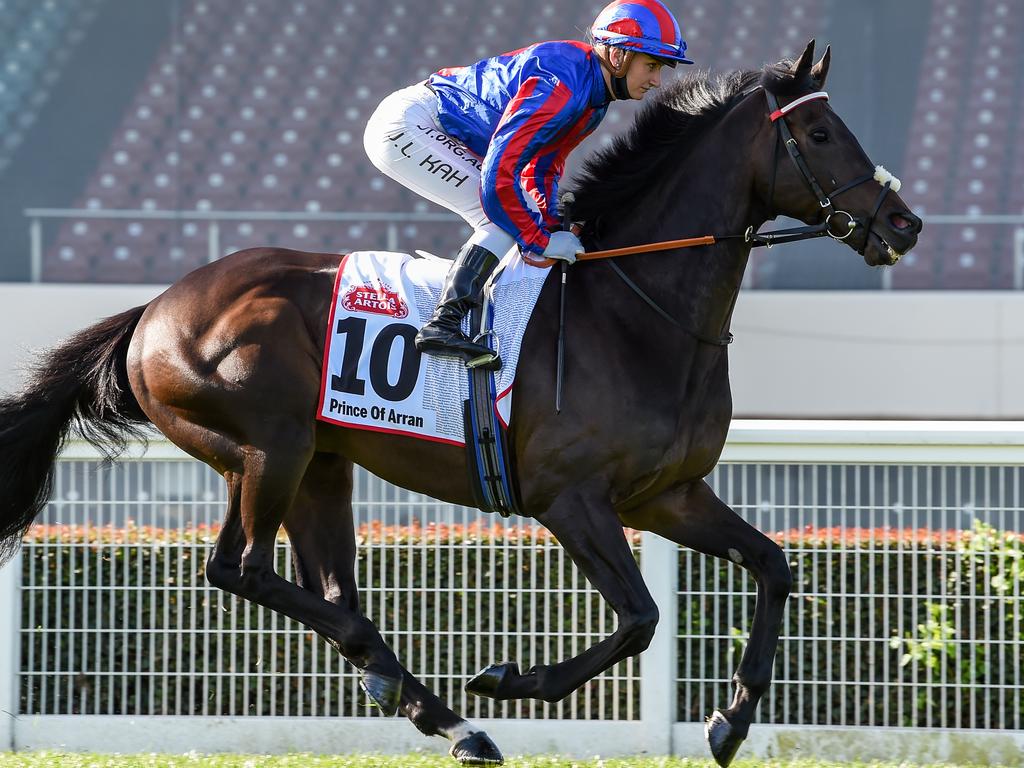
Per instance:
(476,362)
(493,356)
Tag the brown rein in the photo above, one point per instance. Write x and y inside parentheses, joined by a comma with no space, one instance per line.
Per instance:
(689,242)
(665,245)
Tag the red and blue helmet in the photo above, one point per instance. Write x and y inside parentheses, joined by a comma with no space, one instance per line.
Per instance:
(644,26)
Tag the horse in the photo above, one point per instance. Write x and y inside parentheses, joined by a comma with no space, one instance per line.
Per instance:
(227,364)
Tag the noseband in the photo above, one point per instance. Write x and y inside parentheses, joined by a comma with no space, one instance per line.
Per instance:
(837,231)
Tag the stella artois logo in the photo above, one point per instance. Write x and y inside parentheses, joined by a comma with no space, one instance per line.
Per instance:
(377,299)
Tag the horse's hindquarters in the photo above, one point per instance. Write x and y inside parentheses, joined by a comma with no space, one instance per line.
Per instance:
(233,348)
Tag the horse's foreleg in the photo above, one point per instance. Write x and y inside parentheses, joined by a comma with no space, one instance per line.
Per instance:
(321,531)
(588,529)
(243,563)
(696,518)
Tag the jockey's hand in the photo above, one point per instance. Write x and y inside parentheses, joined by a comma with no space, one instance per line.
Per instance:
(564,246)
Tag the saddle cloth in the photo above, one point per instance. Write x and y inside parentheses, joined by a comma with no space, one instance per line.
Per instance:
(373,378)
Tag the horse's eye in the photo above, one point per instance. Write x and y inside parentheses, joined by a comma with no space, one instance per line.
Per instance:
(820,136)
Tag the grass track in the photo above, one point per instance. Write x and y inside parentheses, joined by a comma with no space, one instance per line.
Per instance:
(75,760)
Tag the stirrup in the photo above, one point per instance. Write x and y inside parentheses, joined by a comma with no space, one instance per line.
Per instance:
(485,361)
(493,358)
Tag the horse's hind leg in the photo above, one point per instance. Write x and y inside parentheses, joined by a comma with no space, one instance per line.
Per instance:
(696,518)
(243,560)
(320,528)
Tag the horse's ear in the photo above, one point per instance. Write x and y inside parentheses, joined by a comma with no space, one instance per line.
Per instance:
(820,70)
(803,64)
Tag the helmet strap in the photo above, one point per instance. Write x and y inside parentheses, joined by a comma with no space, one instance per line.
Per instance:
(619,87)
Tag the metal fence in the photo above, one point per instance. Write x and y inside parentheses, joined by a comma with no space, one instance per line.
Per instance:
(906,613)
(406,230)
(118,619)
(971,251)
(889,561)
(402,229)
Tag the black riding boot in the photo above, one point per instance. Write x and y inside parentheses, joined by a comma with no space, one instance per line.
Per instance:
(463,286)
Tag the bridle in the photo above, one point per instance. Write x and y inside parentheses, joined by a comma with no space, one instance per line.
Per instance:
(825,228)
(837,231)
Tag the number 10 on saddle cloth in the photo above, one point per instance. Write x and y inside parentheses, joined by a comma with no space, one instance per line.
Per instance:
(373,378)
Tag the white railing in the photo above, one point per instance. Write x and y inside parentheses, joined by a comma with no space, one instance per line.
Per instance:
(121,641)
(981,220)
(10,656)
(213,220)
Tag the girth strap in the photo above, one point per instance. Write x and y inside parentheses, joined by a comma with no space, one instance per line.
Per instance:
(489,457)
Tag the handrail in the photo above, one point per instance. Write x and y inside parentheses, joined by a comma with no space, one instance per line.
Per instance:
(213,218)
(36,215)
(141,213)
(128,213)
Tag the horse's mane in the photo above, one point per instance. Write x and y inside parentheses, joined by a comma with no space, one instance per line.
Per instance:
(664,132)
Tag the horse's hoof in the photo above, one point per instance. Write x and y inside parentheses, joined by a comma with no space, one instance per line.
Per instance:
(385,692)
(488,683)
(476,749)
(722,738)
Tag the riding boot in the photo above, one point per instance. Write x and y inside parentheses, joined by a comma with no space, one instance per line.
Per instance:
(463,288)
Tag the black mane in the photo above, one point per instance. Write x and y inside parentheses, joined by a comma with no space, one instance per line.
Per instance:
(664,131)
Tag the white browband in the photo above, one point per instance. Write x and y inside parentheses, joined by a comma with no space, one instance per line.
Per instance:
(796,103)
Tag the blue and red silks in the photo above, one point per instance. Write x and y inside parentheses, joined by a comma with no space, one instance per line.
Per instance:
(523,112)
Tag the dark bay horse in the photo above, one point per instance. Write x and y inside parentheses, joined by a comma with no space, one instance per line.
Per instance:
(226,363)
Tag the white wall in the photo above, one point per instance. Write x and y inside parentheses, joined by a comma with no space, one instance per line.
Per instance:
(881,354)
(798,354)
(36,316)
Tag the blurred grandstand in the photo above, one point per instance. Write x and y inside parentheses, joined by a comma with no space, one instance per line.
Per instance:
(36,38)
(234,123)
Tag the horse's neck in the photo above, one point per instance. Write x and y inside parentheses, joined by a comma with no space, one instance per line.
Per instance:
(712,194)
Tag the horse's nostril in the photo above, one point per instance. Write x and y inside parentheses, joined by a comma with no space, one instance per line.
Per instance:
(905,221)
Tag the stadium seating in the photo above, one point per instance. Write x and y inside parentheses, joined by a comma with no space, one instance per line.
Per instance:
(259,106)
(966,121)
(36,39)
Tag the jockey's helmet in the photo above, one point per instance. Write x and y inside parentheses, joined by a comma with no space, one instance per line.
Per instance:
(640,26)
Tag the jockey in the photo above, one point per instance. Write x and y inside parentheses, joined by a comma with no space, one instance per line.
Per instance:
(489,141)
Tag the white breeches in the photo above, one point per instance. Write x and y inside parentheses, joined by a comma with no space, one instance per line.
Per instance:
(404,139)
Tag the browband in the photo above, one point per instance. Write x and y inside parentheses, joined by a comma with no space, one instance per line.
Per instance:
(781,111)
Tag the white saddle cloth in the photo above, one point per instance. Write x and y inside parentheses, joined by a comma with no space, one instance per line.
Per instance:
(373,378)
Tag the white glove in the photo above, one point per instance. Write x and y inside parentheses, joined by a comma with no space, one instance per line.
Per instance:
(564,246)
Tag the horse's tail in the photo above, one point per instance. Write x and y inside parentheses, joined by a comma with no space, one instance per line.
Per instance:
(83,381)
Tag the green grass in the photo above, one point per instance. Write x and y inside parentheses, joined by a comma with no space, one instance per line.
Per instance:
(68,760)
